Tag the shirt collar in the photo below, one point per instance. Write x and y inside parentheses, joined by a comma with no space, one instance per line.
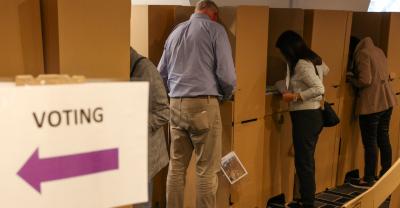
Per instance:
(200,16)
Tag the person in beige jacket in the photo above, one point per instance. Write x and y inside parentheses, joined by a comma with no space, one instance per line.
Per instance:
(375,101)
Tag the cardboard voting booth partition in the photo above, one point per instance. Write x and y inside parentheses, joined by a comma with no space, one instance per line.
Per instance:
(279,170)
(73,145)
(395,136)
(20,38)
(281,20)
(150,27)
(393,51)
(93,40)
(247,27)
(250,32)
(328,34)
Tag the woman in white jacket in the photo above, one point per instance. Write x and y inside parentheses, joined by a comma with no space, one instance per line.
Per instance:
(304,92)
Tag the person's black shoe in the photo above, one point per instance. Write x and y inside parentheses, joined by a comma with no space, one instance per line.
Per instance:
(363,184)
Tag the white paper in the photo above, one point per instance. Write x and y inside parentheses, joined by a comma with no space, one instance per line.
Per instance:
(123,127)
(281,86)
(233,167)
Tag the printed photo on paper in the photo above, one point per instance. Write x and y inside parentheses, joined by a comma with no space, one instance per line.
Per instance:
(233,168)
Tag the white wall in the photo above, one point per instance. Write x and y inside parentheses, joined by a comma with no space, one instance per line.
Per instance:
(354,5)
(272,3)
(384,5)
(161,2)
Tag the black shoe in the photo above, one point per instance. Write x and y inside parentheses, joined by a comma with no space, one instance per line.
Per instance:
(363,184)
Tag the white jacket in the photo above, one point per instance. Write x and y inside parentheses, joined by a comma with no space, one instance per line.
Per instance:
(308,84)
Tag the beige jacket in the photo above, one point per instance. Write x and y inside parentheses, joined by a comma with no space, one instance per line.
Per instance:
(158,115)
(372,79)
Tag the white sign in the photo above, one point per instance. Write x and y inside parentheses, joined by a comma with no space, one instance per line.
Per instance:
(65,146)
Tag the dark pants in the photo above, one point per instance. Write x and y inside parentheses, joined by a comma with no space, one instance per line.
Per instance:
(306,127)
(375,134)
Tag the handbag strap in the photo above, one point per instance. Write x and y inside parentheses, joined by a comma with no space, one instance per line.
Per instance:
(316,71)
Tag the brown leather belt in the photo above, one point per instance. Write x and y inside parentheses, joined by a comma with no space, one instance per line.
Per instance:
(197,97)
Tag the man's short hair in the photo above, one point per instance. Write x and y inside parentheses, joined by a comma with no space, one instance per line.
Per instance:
(206,4)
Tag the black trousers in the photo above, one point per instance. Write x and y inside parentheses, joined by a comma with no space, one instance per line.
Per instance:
(375,134)
(306,127)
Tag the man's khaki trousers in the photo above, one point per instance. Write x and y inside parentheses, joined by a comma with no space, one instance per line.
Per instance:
(195,125)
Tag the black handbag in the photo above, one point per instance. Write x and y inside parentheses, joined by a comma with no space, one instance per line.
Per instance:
(329,116)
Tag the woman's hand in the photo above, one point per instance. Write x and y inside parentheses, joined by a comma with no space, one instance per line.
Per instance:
(290,97)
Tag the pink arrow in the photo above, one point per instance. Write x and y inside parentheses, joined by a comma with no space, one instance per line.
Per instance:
(37,170)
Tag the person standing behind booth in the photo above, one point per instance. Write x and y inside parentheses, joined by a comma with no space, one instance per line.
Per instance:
(303,91)
(143,70)
(375,102)
(197,68)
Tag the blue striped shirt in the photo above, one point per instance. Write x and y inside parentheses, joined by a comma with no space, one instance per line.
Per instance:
(197,60)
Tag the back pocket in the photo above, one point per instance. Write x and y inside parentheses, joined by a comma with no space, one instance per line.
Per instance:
(199,122)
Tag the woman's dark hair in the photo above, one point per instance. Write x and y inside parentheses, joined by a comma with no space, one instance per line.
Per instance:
(294,48)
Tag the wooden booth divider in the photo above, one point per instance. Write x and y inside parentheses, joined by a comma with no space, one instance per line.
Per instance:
(20,38)
(92,41)
(328,34)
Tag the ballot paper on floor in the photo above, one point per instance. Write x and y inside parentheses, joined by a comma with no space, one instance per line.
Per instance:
(233,167)
(77,145)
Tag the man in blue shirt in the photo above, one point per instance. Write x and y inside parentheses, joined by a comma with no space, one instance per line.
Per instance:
(197,68)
